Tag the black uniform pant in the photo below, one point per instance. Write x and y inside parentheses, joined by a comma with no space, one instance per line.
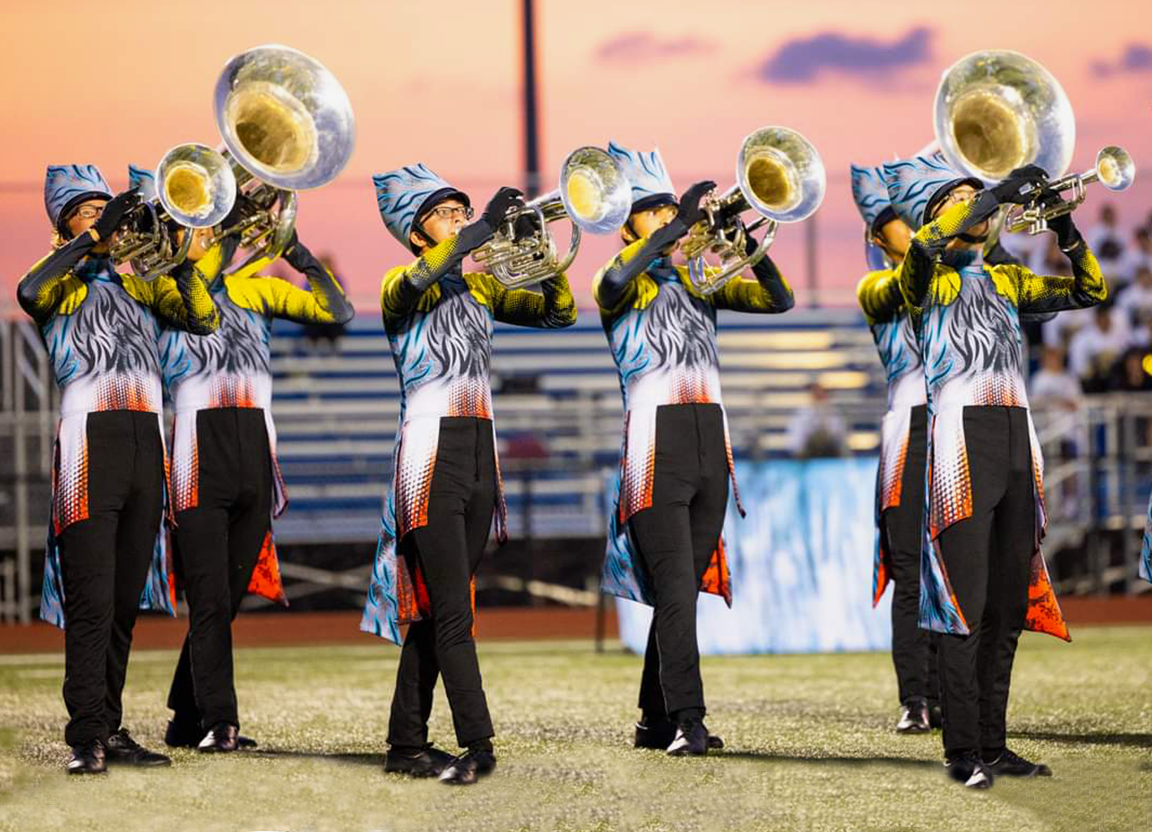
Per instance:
(913,649)
(218,544)
(988,557)
(104,560)
(676,537)
(448,551)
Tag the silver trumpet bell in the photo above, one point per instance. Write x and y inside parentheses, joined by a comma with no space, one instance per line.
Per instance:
(594,194)
(779,175)
(998,110)
(195,188)
(287,125)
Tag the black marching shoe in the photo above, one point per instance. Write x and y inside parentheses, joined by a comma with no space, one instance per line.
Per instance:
(914,718)
(123,750)
(658,734)
(88,758)
(691,740)
(222,738)
(1009,764)
(970,770)
(468,768)
(182,734)
(416,762)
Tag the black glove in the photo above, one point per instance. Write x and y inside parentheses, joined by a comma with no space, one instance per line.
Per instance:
(1067,235)
(500,204)
(1009,191)
(297,254)
(114,211)
(750,242)
(690,211)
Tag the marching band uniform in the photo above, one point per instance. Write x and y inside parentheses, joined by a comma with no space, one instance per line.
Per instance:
(900,475)
(226,484)
(446,478)
(664,538)
(106,555)
(983,576)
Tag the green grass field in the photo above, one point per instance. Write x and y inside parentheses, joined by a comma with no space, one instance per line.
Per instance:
(810,746)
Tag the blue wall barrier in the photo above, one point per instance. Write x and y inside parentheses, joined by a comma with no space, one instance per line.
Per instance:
(801,565)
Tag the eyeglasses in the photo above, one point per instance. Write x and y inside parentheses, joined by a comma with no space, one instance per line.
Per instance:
(448,212)
(89,212)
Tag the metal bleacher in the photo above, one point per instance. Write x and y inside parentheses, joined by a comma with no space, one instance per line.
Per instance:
(336,414)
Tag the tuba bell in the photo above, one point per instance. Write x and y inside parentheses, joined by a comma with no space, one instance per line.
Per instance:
(779,175)
(195,188)
(287,126)
(594,195)
(998,110)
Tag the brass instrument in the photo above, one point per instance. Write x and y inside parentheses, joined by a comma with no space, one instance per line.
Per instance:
(196,189)
(287,126)
(779,175)
(996,111)
(594,194)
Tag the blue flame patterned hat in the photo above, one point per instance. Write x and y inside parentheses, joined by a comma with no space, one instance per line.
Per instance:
(870,192)
(143,180)
(405,194)
(651,184)
(68,185)
(914,183)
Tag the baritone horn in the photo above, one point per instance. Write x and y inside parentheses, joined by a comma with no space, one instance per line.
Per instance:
(287,126)
(195,188)
(998,110)
(594,195)
(781,177)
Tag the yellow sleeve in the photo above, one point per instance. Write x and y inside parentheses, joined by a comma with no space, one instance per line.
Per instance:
(1035,293)
(183,302)
(552,307)
(614,288)
(879,295)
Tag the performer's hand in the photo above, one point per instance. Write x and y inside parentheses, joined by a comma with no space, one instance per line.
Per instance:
(114,211)
(1009,191)
(1067,235)
(500,204)
(690,211)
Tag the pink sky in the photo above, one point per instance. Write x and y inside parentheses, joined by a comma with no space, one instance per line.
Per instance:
(440,83)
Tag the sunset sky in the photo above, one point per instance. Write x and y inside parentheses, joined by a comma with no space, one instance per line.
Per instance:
(441,83)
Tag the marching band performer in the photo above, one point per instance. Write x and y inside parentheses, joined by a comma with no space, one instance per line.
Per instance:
(446,478)
(664,539)
(983,576)
(105,556)
(903,439)
(226,485)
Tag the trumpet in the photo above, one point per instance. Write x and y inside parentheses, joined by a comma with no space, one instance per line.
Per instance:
(996,111)
(779,175)
(195,189)
(594,195)
(287,126)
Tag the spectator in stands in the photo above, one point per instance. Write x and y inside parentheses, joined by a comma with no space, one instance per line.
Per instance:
(1136,257)
(1106,240)
(817,430)
(1097,346)
(439,509)
(1053,385)
(1130,375)
(1136,300)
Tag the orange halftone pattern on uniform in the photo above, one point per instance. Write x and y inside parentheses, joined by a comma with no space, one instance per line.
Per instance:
(70,495)
(265,580)
(470,397)
(998,391)
(690,388)
(1044,615)
(232,391)
(880,580)
(893,484)
(413,486)
(951,491)
(185,477)
(122,391)
(716,580)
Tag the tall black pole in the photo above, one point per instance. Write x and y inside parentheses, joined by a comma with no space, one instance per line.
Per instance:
(531,127)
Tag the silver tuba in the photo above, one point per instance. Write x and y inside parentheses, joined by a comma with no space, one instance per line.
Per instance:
(998,110)
(779,175)
(594,194)
(195,188)
(287,126)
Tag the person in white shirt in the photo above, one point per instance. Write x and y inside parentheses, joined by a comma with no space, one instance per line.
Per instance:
(1136,257)
(817,430)
(1106,239)
(1097,346)
(1053,386)
(1136,300)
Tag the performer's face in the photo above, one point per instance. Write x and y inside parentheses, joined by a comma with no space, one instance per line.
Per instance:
(894,237)
(964,194)
(646,223)
(202,240)
(83,217)
(442,222)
